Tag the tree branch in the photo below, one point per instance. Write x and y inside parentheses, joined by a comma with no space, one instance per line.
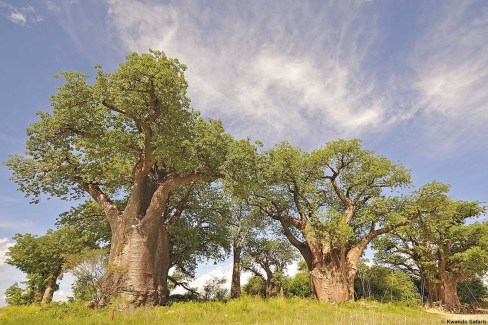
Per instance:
(160,196)
(108,206)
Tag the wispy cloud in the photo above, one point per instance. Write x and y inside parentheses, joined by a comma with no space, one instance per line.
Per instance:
(5,244)
(270,70)
(19,15)
(8,273)
(311,71)
(451,63)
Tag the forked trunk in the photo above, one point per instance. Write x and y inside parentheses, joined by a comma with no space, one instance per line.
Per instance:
(47,297)
(139,264)
(235,288)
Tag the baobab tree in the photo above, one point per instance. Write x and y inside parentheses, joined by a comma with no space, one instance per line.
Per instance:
(130,133)
(330,205)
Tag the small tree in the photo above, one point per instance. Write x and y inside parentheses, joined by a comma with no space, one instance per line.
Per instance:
(17,296)
(268,259)
(255,286)
(214,289)
(89,270)
(473,291)
(386,285)
(42,257)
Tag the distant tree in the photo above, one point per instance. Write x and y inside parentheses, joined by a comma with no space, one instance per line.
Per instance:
(42,258)
(242,223)
(214,289)
(130,133)
(439,248)
(243,219)
(386,285)
(268,259)
(89,269)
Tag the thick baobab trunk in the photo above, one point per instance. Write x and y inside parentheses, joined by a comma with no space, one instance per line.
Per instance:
(332,275)
(47,297)
(235,288)
(332,283)
(139,263)
(448,295)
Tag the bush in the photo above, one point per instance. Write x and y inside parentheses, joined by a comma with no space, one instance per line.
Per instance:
(386,285)
(472,291)
(299,285)
(255,286)
(16,296)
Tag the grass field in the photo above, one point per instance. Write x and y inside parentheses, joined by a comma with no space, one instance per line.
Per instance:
(243,311)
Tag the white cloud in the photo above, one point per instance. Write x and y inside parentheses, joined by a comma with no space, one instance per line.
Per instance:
(8,274)
(17,18)
(5,244)
(451,62)
(282,70)
(19,15)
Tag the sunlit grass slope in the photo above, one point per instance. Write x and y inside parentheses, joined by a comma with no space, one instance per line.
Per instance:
(243,311)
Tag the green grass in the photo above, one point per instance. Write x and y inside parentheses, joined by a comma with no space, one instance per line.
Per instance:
(243,311)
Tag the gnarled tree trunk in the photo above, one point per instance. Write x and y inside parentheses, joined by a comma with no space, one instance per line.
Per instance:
(448,295)
(433,288)
(139,263)
(332,282)
(332,272)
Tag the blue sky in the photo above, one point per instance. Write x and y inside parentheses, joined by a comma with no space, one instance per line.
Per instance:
(410,78)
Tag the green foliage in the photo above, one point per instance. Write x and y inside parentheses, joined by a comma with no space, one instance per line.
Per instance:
(255,286)
(386,285)
(213,289)
(97,133)
(42,258)
(472,291)
(439,244)
(88,219)
(16,296)
(299,285)
(200,231)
